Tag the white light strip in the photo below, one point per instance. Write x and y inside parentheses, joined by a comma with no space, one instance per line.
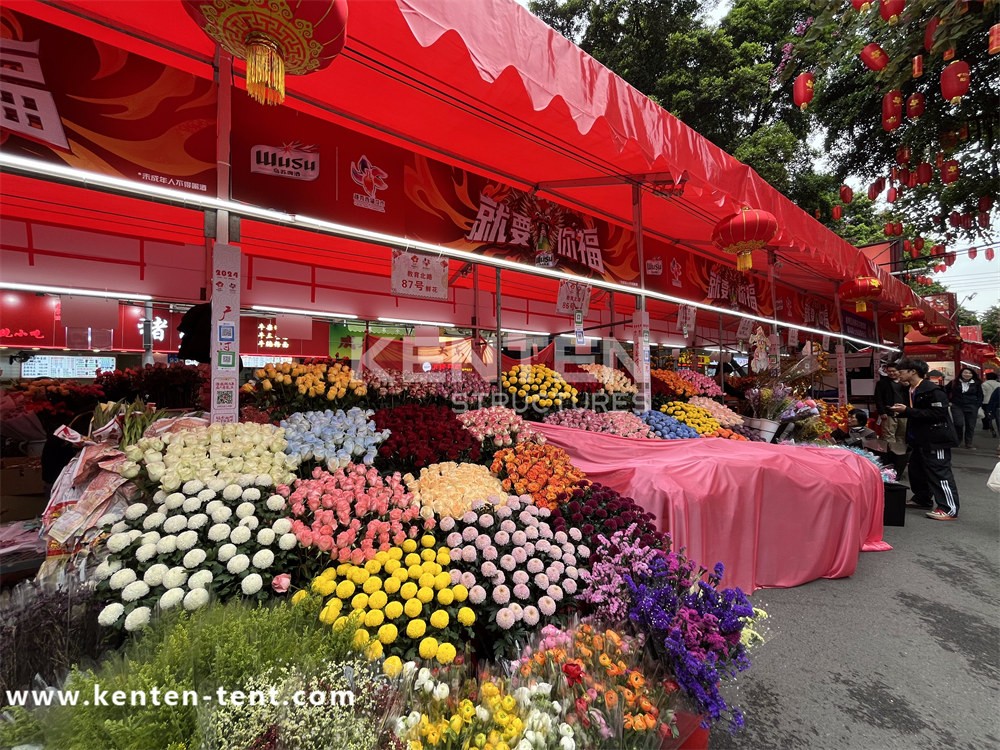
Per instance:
(72,292)
(35,168)
(529,333)
(573,336)
(309,313)
(418,322)
(969,364)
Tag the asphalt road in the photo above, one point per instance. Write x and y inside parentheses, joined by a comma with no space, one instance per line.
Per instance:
(905,654)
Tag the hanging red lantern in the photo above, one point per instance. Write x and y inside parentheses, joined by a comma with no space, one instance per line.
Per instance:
(915,105)
(955,218)
(889,229)
(891,195)
(919,244)
(933,330)
(918,66)
(912,182)
(955,81)
(893,175)
(274,41)
(994,39)
(904,176)
(929,32)
(860,291)
(874,57)
(984,219)
(985,202)
(950,339)
(802,90)
(892,122)
(939,159)
(899,229)
(908,317)
(949,259)
(880,184)
(949,172)
(988,252)
(861,6)
(846,194)
(743,233)
(872,192)
(973,253)
(903,155)
(937,250)
(837,212)
(890,10)
(968,221)
(907,246)
(892,110)
(940,268)
(914,253)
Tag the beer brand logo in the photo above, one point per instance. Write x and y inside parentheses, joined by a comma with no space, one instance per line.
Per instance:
(293,161)
(371,179)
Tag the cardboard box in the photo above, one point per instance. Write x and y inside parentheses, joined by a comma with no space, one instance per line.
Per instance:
(22,491)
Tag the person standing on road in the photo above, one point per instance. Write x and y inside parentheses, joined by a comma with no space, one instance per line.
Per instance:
(889,391)
(932,436)
(990,384)
(966,398)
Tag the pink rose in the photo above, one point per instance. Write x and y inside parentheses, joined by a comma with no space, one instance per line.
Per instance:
(280,583)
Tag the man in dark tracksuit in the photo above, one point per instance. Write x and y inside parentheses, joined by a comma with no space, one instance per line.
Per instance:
(932,436)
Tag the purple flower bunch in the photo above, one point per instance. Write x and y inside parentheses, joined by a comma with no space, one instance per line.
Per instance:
(800,410)
(518,569)
(614,558)
(694,627)
(598,510)
(621,423)
(705,385)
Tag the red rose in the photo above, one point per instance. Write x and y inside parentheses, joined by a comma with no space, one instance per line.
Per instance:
(573,672)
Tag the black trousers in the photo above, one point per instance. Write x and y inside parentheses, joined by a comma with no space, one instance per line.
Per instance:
(965,423)
(931,479)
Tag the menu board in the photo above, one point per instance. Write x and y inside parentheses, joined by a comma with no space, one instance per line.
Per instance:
(66,367)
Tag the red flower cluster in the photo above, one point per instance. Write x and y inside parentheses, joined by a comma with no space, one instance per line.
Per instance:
(173,386)
(422,435)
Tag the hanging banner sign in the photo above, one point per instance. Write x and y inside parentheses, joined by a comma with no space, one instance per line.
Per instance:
(841,375)
(225,332)
(573,296)
(419,276)
(745,329)
(793,338)
(686,318)
(826,343)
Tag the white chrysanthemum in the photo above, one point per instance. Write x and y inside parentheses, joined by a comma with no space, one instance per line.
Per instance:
(216,485)
(136,511)
(193,487)
(245,480)
(232,492)
(122,578)
(219,532)
(282,526)
(153,520)
(266,537)
(117,542)
(221,515)
(264,480)
(167,545)
(197,521)
(213,505)
(150,537)
(175,524)
(252,584)
(134,535)
(206,495)
(240,535)
(287,541)
(200,580)
(238,564)
(226,552)
(250,522)
(159,497)
(191,504)
(251,494)
(263,559)
(174,578)
(135,590)
(245,510)
(194,558)
(118,528)
(174,501)
(186,540)
(110,614)
(106,520)
(106,568)
(153,577)
(171,598)
(276,503)
(145,552)
(195,599)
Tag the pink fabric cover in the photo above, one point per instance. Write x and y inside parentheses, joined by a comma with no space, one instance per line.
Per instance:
(774,515)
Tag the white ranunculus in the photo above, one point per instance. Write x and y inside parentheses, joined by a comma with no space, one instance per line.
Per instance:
(117,542)
(244,510)
(232,492)
(197,521)
(122,578)
(153,576)
(252,584)
(153,520)
(171,598)
(238,564)
(136,511)
(218,532)
(175,524)
(263,559)
(186,540)
(287,541)
(145,552)
(111,614)
(194,558)
(266,537)
(276,503)
(195,599)
(135,590)
(167,545)
(174,578)
(240,535)
(227,552)
(200,580)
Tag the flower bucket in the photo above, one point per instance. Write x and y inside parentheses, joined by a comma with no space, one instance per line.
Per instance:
(690,734)
(766,427)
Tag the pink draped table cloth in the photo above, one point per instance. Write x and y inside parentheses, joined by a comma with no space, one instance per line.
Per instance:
(773,515)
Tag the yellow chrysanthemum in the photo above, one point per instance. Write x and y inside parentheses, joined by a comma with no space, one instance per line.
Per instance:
(372,585)
(413,608)
(445,597)
(408,590)
(442,581)
(446,655)
(345,590)
(391,585)
(425,594)
(428,648)
(374,618)
(395,553)
(393,666)
(412,559)
(298,596)
(461,593)
(416,629)
(410,545)
(440,619)
(377,600)
(388,633)
(360,601)
(393,610)
(466,616)
(361,638)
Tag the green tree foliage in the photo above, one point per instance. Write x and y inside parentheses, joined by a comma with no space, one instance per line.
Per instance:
(990,320)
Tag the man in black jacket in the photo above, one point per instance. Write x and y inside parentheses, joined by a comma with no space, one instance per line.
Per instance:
(889,391)
(932,436)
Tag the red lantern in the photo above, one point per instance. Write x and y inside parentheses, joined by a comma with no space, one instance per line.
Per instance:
(892,109)
(937,250)
(950,339)
(740,234)
(872,192)
(908,317)
(914,253)
(891,195)
(860,291)
(889,229)
(955,218)
(912,182)
(968,221)
(846,194)
(272,41)
(874,57)
(918,66)
(880,184)
(915,105)
(890,10)
(802,90)
(929,34)
(907,246)
(861,5)
(919,244)
(988,252)
(984,219)
(903,155)
(940,268)
(994,39)
(933,330)
(904,176)
(949,259)
(985,203)
(837,212)
(949,172)
(955,81)
(973,253)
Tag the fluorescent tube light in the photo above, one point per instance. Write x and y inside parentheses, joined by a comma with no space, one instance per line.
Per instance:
(529,333)
(417,322)
(310,313)
(573,336)
(42,289)
(36,168)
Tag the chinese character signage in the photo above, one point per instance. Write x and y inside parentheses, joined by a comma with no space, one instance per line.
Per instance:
(727,287)
(225,332)
(420,276)
(573,297)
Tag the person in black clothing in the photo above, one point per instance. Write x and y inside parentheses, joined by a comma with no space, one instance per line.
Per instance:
(889,391)
(857,430)
(932,436)
(966,395)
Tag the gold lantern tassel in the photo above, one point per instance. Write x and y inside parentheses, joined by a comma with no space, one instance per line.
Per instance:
(860,306)
(744,262)
(265,70)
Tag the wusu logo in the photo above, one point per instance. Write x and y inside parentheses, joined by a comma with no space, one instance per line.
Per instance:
(371,179)
(293,160)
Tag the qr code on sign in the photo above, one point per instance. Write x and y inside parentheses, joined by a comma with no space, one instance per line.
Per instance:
(224,398)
